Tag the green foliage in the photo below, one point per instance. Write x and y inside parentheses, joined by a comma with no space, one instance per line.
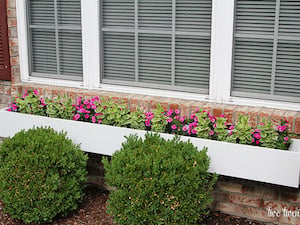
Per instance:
(113,113)
(42,175)
(60,108)
(30,104)
(159,181)
(204,125)
(159,121)
(221,129)
(137,119)
(242,131)
(268,134)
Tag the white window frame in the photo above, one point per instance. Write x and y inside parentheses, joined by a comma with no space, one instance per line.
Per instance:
(220,61)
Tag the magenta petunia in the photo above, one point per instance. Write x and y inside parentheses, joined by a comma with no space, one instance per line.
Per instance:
(87,116)
(94,119)
(36,92)
(76,117)
(182,119)
(211,133)
(174,127)
(194,131)
(170,120)
(177,111)
(286,138)
(185,128)
(231,127)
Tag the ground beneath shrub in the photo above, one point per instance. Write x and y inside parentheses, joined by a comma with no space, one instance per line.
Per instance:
(92,211)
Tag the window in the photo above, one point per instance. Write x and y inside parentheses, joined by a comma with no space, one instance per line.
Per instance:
(55,35)
(4,49)
(267,49)
(159,44)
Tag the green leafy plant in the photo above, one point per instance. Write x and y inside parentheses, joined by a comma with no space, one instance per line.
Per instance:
(42,175)
(31,103)
(158,181)
(220,129)
(242,131)
(159,121)
(283,137)
(267,134)
(114,113)
(60,108)
(137,119)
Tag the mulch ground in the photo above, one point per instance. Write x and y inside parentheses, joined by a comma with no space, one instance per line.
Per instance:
(92,211)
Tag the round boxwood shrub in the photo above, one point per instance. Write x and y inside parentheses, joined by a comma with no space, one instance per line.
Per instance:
(158,181)
(42,175)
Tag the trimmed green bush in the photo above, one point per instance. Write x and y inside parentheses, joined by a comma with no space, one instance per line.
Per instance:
(158,181)
(42,175)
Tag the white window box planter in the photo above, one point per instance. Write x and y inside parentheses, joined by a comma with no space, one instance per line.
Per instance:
(235,160)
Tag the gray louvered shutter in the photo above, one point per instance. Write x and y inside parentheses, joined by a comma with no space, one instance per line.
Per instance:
(56,39)
(192,52)
(287,80)
(157,45)
(267,49)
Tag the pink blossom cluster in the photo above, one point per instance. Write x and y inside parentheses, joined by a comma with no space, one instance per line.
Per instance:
(256,136)
(86,110)
(148,117)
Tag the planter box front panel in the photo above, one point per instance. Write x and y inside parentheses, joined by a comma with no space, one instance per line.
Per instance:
(242,161)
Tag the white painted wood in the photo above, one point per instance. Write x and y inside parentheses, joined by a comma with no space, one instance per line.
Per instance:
(22,39)
(221,50)
(90,43)
(242,161)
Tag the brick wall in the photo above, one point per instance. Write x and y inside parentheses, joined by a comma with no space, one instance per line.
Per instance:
(232,196)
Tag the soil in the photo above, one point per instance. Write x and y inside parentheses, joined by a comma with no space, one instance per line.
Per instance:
(92,211)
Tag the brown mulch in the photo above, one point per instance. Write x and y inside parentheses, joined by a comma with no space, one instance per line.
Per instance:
(92,211)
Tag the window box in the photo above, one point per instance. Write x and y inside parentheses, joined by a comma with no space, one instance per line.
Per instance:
(235,160)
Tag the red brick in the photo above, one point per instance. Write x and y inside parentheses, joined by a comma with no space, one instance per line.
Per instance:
(259,214)
(144,104)
(16,90)
(245,200)
(173,106)
(72,95)
(276,117)
(229,113)
(253,116)
(55,94)
(15,72)
(14,61)
(13,42)
(229,186)
(5,99)
(279,206)
(220,196)
(208,107)
(7,90)
(297,124)
(133,104)
(241,110)
(285,219)
(162,101)
(290,117)
(11,13)
(48,93)
(229,208)
(13,51)
(11,22)
(290,196)
(1,89)
(11,3)
(261,190)
(218,110)
(265,113)
(195,105)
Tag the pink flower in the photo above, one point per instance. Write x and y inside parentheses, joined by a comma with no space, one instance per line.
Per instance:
(170,112)
(185,128)
(177,117)
(170,120)
(14,107)
(78,100)
(194,131)
(88,107)
(197,110)
(211,133)
(212,120)
(252,140)
(86,102)
(177,111)
(192,116)
(147,123)
(231,127)
(9,109)
(261,123)
(231,132)
(222,115)
(35,92)
(94,107)
(76,117)
(181,119)
(99,121)
(281,128)
(174,127)
(286,138)
(94,119)
(257,136)
(86,116)
(257,142)
(257,130)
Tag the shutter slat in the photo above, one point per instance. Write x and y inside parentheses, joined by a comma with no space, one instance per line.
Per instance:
(119,56)
(150,67)
(41,12)
(192,70)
